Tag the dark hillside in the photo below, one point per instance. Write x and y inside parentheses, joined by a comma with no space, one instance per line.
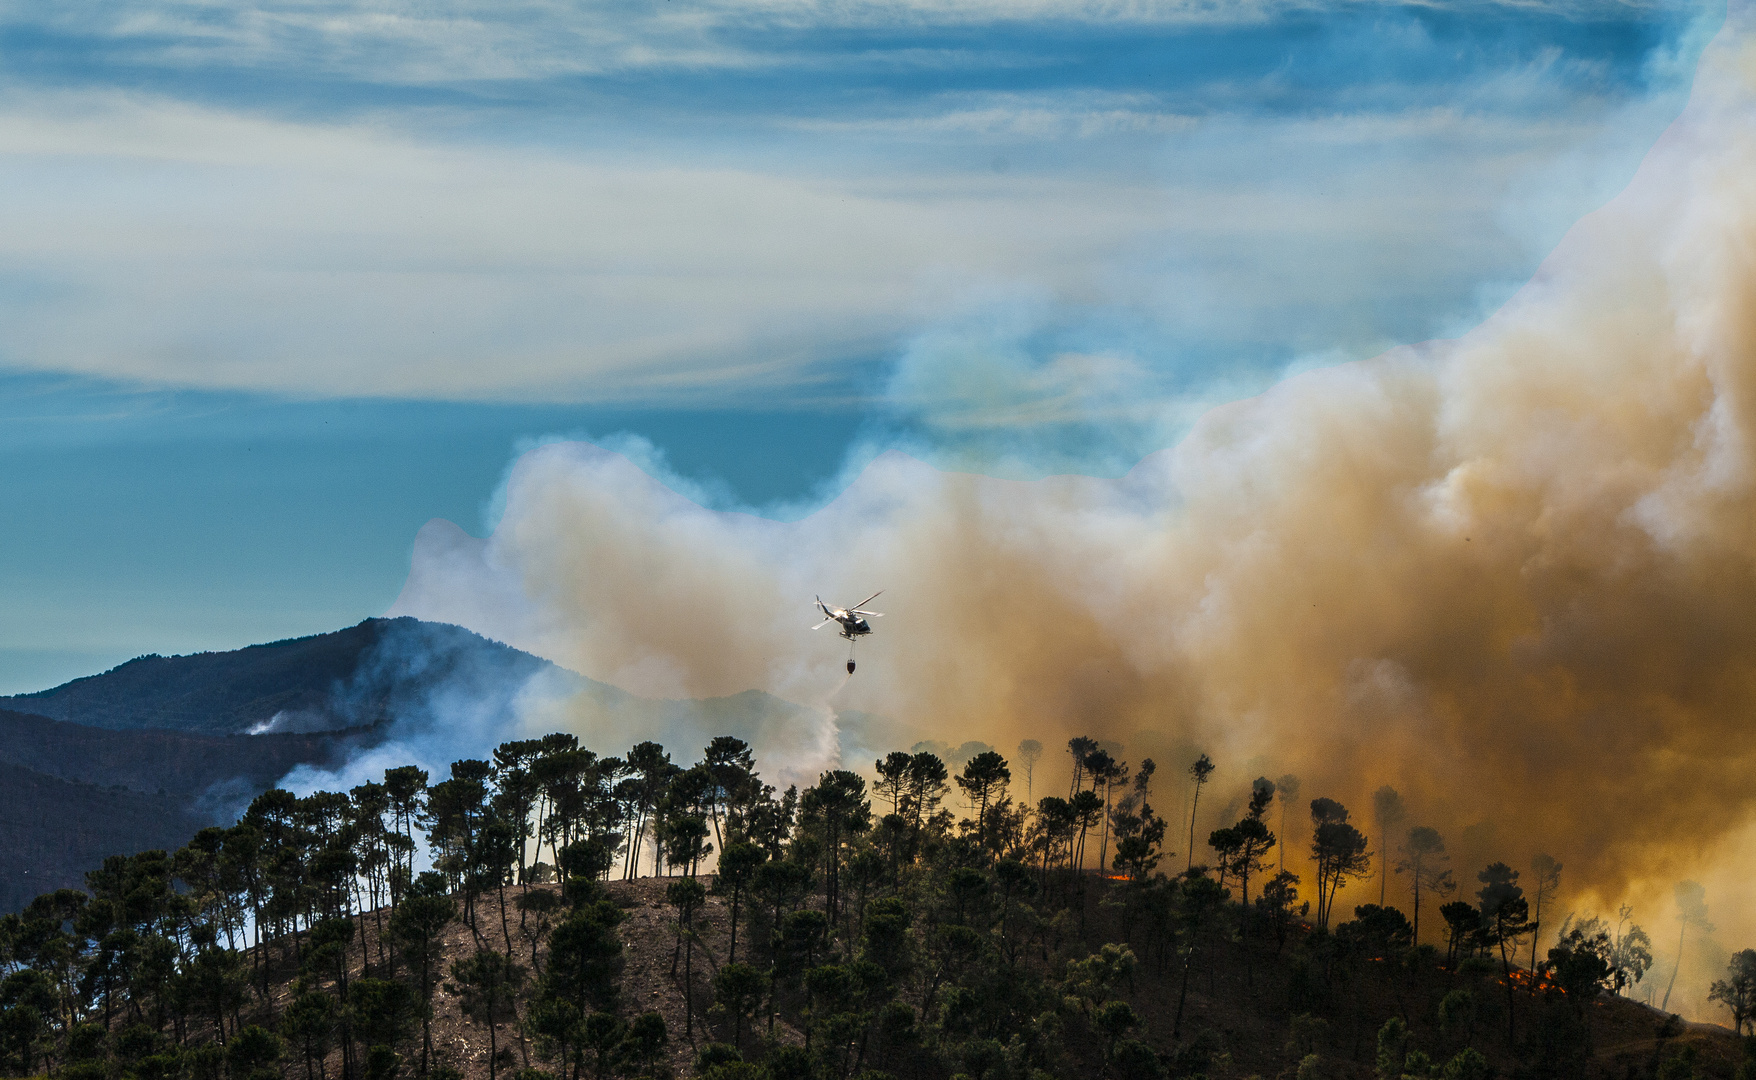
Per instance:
(349,678)
(1240,1026)
(71,795)
(1281,1020)
(162,762)
(52,831)
(359,681)
(460,1041)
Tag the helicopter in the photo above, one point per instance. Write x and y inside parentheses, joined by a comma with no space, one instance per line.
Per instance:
(853,621)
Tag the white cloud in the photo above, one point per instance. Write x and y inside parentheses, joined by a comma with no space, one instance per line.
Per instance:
(1014,116)
(210,249)
(736,236)
(173,243)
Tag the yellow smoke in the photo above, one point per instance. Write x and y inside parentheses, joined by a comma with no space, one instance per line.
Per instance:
(1513,575)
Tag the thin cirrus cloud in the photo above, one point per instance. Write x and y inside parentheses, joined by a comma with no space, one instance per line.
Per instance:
(402,42)
(209,249)
(725,202)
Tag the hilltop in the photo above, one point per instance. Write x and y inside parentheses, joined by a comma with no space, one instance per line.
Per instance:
(350,678)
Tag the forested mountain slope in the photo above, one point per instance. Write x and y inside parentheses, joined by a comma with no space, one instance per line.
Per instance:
(71,795)
(162,762)
(1251,1011)
(52,830)
(849,932)
(349,678)
(179,742)
(382,672)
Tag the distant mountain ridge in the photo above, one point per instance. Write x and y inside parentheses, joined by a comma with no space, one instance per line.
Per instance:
(149,752)
(325,682)
(145,754)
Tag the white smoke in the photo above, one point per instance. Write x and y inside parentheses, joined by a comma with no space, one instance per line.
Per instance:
(1513,574)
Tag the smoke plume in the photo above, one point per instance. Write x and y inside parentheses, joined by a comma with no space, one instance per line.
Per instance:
(1511,574)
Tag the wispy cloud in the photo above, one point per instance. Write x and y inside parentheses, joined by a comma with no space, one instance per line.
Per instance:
(462,41)
(252,196)
(205,248)
(1014,116)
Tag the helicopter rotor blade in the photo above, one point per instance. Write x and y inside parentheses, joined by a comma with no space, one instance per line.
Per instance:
(822,624)
(861,611)
(868,599)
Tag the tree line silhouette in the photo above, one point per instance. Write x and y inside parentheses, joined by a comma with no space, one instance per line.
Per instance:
(925,925)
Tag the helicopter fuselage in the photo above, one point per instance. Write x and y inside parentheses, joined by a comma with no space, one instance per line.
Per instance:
(856,628)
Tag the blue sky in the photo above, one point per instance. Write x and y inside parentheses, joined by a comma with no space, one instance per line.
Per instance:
(279,282)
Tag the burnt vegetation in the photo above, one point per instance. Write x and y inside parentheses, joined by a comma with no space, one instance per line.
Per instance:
(554,914)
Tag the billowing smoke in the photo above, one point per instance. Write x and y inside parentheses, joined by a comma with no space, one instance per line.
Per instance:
(1513,574)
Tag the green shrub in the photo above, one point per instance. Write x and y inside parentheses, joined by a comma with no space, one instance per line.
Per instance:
(1469,1064)
(1392,1048)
